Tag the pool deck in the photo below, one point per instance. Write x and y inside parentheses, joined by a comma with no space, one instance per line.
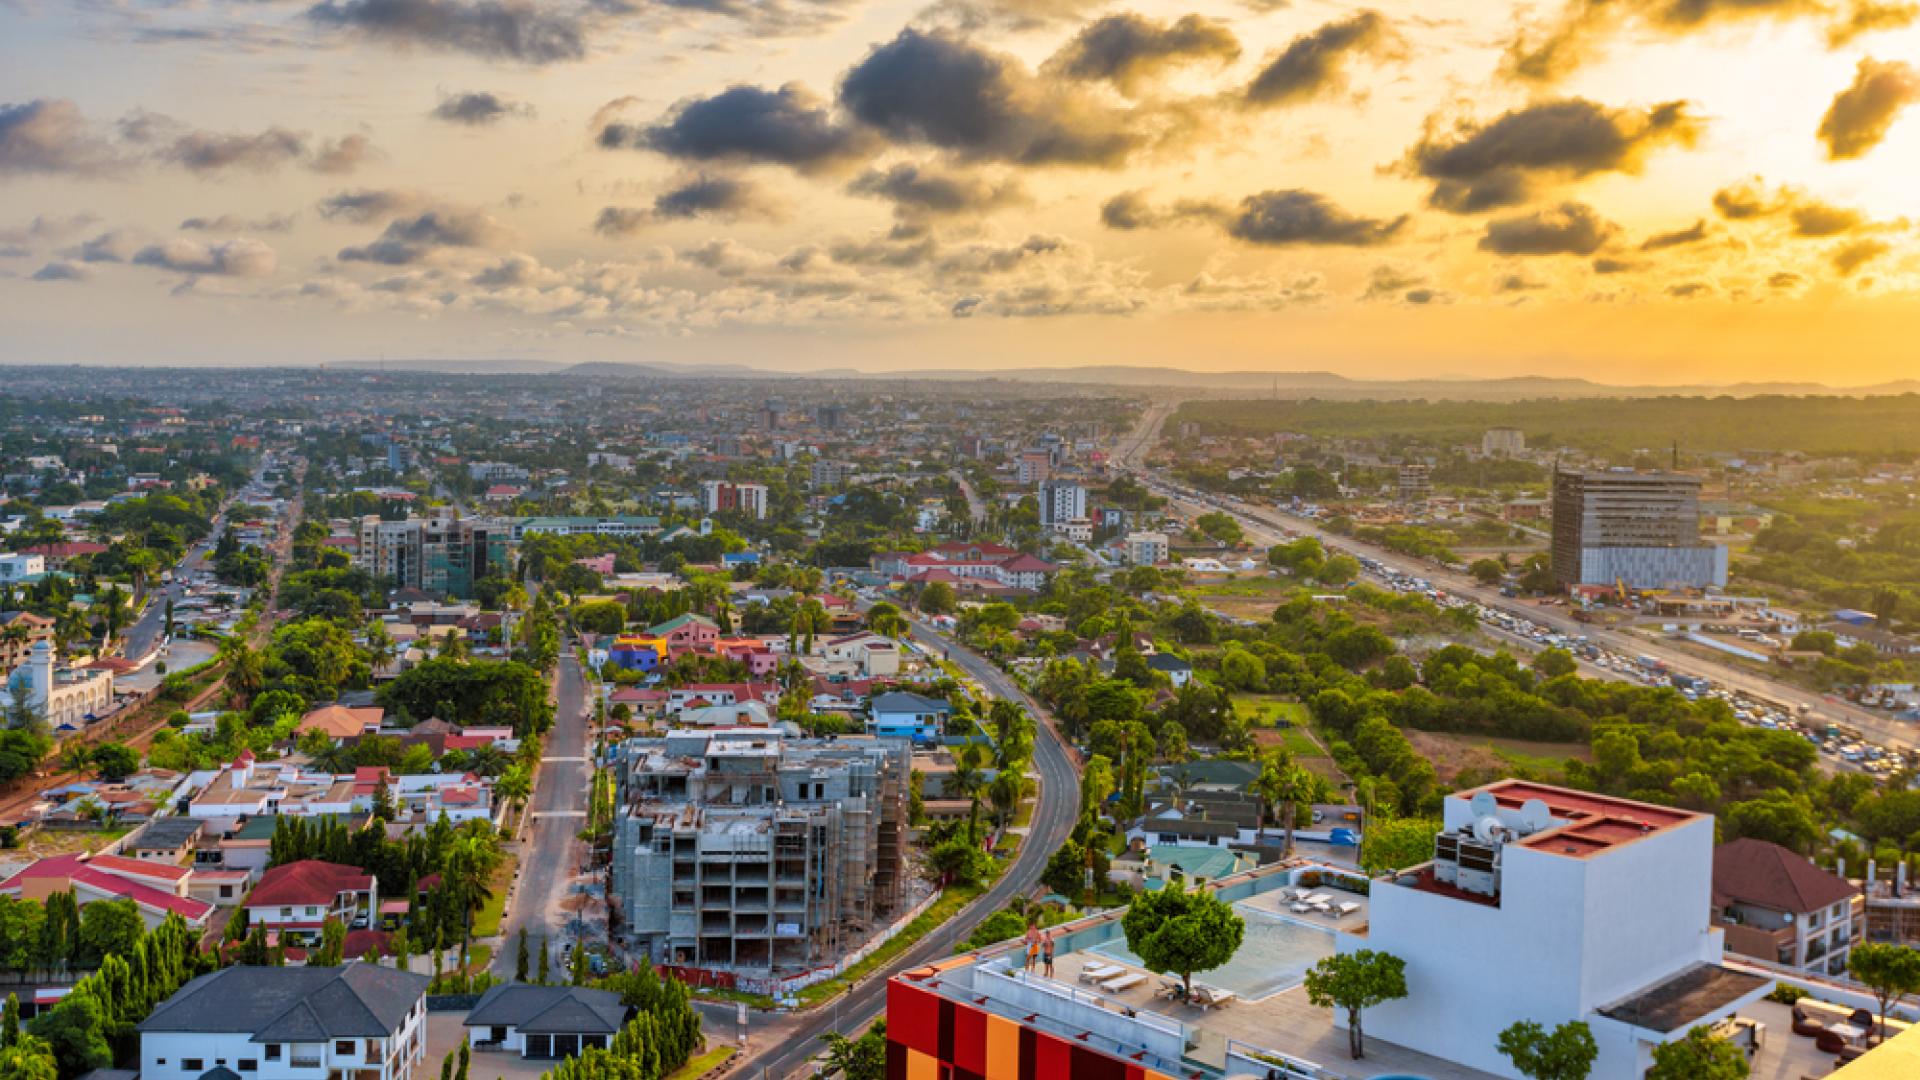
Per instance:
(1274,903)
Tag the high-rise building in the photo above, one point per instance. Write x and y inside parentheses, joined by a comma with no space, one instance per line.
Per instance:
(1416,482)
(1638,529)
(741,850)
(1061,501)
(445,555)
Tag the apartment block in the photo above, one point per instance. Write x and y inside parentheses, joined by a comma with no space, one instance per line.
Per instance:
(723,497)
(444,555)
(740,850)
(1638,529)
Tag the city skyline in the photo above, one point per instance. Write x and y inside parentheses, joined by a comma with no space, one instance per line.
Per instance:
(1647,192)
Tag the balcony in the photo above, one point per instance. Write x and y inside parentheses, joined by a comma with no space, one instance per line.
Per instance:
(299,1062)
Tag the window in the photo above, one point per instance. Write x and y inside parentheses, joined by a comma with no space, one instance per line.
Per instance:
(343,1047)
(273,1051)
(249,1065)
(192,1064)
(226,892)
(286,913)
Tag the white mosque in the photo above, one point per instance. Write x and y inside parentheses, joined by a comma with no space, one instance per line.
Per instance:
(64,696)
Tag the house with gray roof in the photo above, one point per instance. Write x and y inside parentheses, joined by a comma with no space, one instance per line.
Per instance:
(903,715)
(545,1021)
(290,1023)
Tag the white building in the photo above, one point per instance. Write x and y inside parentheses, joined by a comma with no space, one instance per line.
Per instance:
(17,567)
(1061,501)
(61,697)
(1146,548)
(1503,442)
(1554,905)
(721,496)
(290,1023)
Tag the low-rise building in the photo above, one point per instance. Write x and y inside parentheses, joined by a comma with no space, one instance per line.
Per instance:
(361,1021)
(545,1021)
(296,899)
(156,889)
(901,714)
(1779,907)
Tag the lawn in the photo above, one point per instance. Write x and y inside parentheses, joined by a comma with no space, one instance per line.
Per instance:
(702,1065)
(951,902)
(487,922)
(1267,710)
(1451,754)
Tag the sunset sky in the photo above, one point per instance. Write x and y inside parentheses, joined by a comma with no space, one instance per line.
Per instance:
(1656,191)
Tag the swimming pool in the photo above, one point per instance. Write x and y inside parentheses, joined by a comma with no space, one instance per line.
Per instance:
(1274,955)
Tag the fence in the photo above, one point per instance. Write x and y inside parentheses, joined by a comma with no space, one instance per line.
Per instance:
(775,987)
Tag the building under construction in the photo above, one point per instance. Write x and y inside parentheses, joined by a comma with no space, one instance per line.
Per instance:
(742,850)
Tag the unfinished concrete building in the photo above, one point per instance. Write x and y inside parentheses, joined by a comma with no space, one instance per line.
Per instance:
(740,850)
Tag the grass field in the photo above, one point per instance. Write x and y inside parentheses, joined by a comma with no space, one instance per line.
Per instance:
(702,1065)
(1452,753)
(486,923)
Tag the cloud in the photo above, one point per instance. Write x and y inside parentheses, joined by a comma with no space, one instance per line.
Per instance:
(1861,114)
(44,228)
(477,108)
(61,271)
(409,240)
(234,258)
(1574,37)
(1745,200)
(1693,234)
(1477,167)
(1784,279)
(1517,282)
(1688,290)
(937,89)
(1315,63)
(1129,50)
(1129,210)
(1607,264)
(342,155)
(1852,256)
(368,205)
(234,223)
(788,126)
(209,152)
(523,30)
(920,191)
(1571,228)
(114,245)
(1816,219)
(1867,17)
(1277,218)
(717,196)
(1016,15)
(47,136)
(1388,282)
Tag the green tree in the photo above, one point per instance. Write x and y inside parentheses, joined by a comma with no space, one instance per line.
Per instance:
(1179,931)
(938,598)
(864,1058)
(1565,1053)
(10,1021)
(522,958)
(26,1057)
(1552,663)
(542,980)
(1487,571)
(109,928)
(1891,971)
(1356,981)
(115,761)
(333,941)
(1701,1055)
(1391,843)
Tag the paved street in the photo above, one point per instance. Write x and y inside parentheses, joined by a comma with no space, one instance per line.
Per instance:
(795,1040)
(550,850)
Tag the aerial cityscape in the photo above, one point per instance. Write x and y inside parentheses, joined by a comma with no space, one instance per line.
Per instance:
(959,540)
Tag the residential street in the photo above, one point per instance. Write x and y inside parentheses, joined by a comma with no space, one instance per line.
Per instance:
(795,1040)
(550,849)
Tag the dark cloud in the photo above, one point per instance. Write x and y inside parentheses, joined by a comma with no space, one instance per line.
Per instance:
(1425,296)
(233,223)
(1389,282)
(1275,218)
(1868,17)
(919,191)
(478,107)
(235,258)
(1861,114)
(61,271)
(724,197)
(1816,219)
(1688,290)
(976,260)
(115,245)
(1129,210)
(1517,282)
(368,205)
(1607,264)
(211,152)
(1017,15)
(1477,167)
(1693,234)
(1852,256)
(1745,200)
(1784,279)
(524,30)
(767,18)
(890,252)
(622,220)
(1575,36)
(408,240)
(1129,50)
(788,126)
(937,89)
(1315,63)
(1568,229)
(48,135)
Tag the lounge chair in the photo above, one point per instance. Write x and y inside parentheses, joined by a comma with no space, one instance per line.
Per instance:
(1123,982)
(1171,989)
(1300,907)
(1349,907)
(1210,997)
(1097,972)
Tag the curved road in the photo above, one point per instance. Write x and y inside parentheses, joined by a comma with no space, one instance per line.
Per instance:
(1053,817)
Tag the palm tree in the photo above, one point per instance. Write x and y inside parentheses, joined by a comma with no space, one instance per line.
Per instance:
(113,612)
(488,761)
(968,782)
(141,563)
(514,785)
(246,671)
(1282,783)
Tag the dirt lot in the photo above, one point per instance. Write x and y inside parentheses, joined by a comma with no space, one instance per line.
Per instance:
(1452,753)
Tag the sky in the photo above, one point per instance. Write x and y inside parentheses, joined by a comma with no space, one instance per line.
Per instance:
(1633,191)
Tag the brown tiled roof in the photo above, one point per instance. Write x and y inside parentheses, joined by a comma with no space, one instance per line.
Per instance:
(1767,875)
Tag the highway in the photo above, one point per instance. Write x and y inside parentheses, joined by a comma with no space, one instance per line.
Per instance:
(1052,824)
(1268,526)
